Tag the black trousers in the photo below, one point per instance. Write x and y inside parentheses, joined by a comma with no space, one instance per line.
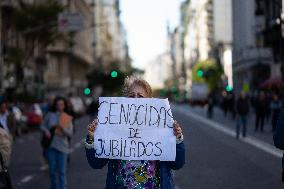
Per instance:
(259,121)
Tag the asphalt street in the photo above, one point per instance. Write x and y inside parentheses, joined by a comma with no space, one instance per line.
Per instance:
(214,160)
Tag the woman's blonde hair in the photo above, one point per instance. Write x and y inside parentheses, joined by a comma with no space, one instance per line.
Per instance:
(131,81)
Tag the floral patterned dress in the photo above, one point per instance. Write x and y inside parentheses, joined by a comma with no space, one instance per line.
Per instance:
(138,174)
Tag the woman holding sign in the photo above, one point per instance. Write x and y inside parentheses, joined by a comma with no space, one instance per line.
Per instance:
(57,127)
(137,173)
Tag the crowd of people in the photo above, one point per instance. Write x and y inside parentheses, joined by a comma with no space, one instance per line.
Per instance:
(56,127)
(263,106)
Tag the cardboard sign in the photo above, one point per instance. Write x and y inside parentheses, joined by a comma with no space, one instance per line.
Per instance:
(135,129)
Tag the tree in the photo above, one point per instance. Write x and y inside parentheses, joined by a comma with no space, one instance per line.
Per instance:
(208,72)
(38,22)
(37,25)
(105,78)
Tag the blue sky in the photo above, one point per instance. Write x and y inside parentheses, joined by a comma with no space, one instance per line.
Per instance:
(145,22)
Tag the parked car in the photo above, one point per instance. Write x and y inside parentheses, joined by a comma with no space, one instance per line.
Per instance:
(34,116)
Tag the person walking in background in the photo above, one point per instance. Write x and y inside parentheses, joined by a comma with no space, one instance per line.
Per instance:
(231,104)
(47,104)
(242,110)
(275,107)
(260,111)
(7,119)
(268,99)
(57,127)
(211,102)
(224,103)
(7,132)
(46,108)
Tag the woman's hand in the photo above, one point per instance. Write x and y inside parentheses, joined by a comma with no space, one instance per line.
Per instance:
(58,130)
(177,129)
(91,128)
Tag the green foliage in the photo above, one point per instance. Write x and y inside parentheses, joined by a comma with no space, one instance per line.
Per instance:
(25,97)
(39,21)
(212,73)
(15,55)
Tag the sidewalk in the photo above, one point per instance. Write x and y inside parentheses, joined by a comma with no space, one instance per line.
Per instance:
(218,116)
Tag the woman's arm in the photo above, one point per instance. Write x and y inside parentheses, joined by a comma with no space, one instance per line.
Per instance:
(180,157)
(94,162)
(180,150)
(67,131)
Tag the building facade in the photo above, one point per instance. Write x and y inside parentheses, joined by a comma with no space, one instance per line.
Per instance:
(253,57)
(207,34)
(70,60)
(62,66)
(159,72)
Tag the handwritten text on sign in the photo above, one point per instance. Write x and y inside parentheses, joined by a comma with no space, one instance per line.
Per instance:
(135,129)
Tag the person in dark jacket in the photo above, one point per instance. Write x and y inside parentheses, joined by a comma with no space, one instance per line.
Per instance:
(211,103)
(278,137)
(122,173)
(242,110)
(260,111)
(275,107)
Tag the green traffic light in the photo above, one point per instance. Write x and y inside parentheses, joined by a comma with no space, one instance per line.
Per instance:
(200,73)
(87,91)
(114,74)
(229,88)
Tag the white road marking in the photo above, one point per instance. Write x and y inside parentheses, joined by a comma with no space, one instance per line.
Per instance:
(27,179)
(268,148)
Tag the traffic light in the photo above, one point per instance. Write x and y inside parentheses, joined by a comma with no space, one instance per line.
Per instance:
(200,73)
(229,88)
(113,74)
(87,91)
(174,89)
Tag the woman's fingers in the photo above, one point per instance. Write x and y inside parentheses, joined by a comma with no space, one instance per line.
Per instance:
(92,127)
(177,129)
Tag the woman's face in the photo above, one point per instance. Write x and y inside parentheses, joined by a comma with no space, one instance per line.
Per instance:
(137,91)
(60,106)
